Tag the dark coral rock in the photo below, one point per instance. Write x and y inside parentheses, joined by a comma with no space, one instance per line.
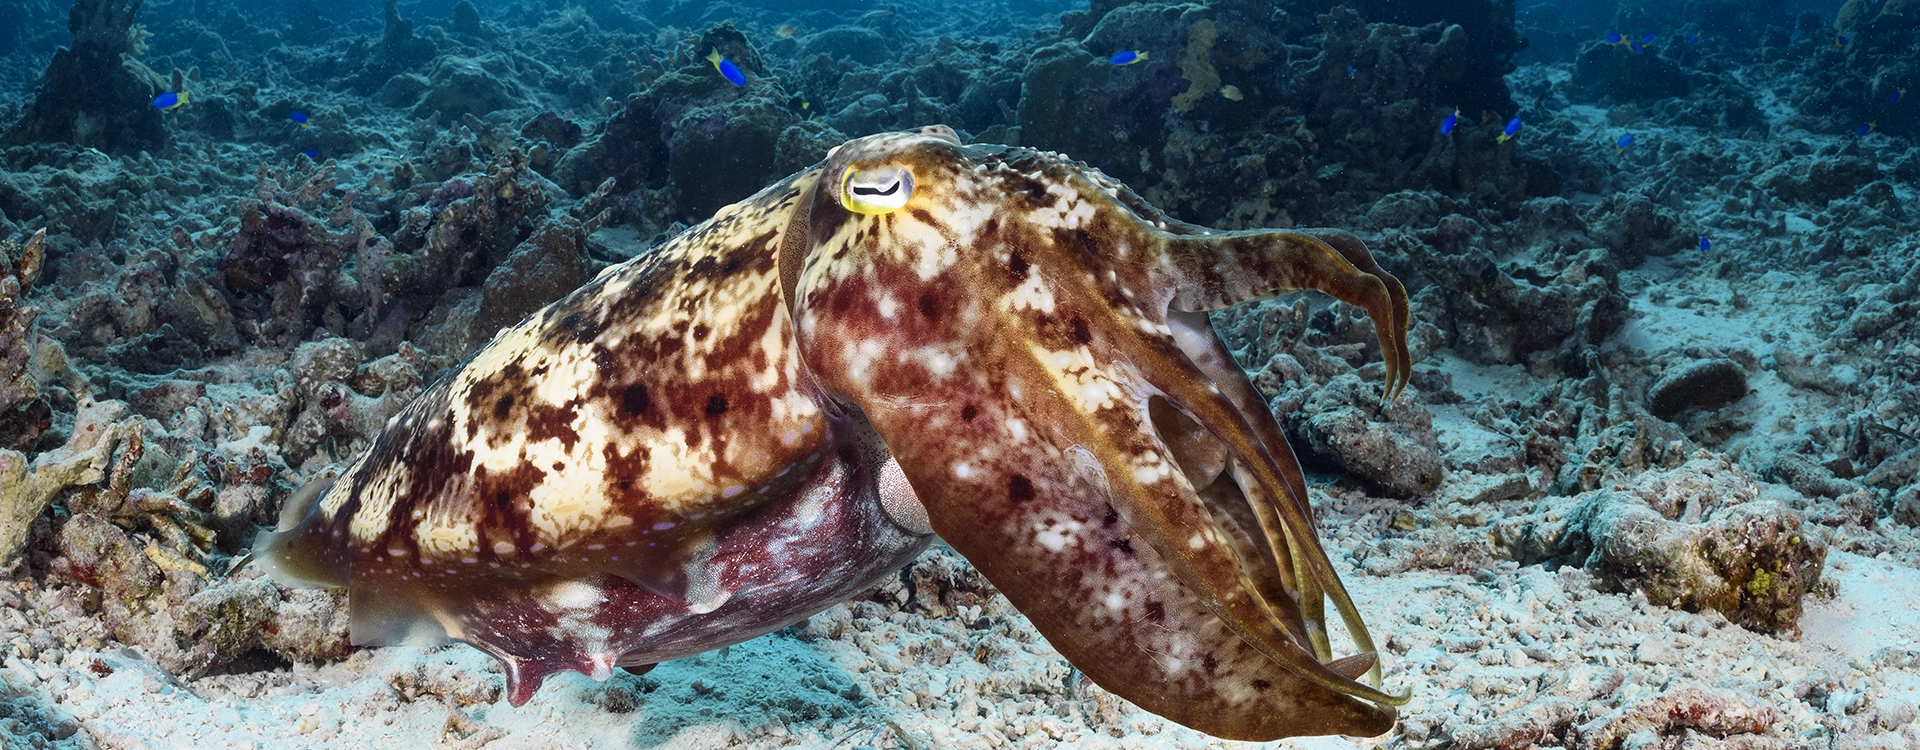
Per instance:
(861,45)
(1701,385)
(1611,72)
(1490,42)
(460,86)
(466,19)
(284,265)
(711,141)
(1390,447)
(1635,228)
(1818,179)
(552,129)
(23,413)
(1906,506)
(1497,317)
(95,93)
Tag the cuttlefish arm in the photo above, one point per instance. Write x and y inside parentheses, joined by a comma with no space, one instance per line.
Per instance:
(1024,335)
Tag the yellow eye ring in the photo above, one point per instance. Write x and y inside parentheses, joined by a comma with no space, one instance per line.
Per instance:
(876,191)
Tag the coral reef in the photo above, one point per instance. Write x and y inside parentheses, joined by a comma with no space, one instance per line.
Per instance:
(95,93)
(23,413)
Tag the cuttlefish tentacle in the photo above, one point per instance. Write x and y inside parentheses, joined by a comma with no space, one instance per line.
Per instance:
(1227,268)
(1213,568)
(1010,331)
(1285,555)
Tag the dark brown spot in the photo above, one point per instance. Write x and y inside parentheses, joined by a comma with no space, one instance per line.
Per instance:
(1112,517)
(634,401)
(1080,333)
(968,412)
(1156,611)
(1017,266)
(501,500)
(559,466)
(716,405)
(1261,684)
(1123,545)
(700,332)
(1208,662)
(1020,488)
(503,408)
(929,306)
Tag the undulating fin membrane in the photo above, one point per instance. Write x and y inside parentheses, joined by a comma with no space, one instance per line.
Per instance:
(303,549)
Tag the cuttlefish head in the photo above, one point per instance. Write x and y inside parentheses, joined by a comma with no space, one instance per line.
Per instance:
(1029,339)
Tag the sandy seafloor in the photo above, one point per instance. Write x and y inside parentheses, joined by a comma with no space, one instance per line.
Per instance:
(1496,653)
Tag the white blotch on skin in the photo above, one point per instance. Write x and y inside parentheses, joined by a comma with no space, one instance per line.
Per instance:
(1057,534)
(940,361)
(1077,376)
(1149,468)
(1032,294)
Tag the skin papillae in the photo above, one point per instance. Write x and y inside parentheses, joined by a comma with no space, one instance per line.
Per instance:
(777,410)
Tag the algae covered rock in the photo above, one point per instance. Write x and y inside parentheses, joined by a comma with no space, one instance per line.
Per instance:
(1696,537)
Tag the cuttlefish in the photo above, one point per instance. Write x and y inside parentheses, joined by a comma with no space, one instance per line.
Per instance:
(782,406)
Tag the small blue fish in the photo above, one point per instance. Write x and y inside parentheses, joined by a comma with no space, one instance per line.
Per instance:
(1349,71)
(1863,130)
(1128,57)
(727,68)
(1513,126)
(1841,41)
(1646,38)
(1638,48)
(299,117)
(1898,94)
(170,100)
(1446,126)
(1623,143)
(1705,245)
(311,154)
(1695,39)
(1616,39)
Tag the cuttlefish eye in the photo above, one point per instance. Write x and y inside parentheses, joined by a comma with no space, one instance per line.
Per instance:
(876,191)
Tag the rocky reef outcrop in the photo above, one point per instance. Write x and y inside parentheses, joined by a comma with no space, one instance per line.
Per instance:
(96,93)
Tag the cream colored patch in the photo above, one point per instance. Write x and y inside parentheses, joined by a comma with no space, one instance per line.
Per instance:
(1077,376)
(376,501)
(1056,533)
(860,357)
(446,535)
(1150,468)
(1032,294)
(679,471)
(1016,430)
(940,361)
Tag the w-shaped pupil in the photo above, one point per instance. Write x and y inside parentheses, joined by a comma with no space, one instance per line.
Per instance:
(892,187)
